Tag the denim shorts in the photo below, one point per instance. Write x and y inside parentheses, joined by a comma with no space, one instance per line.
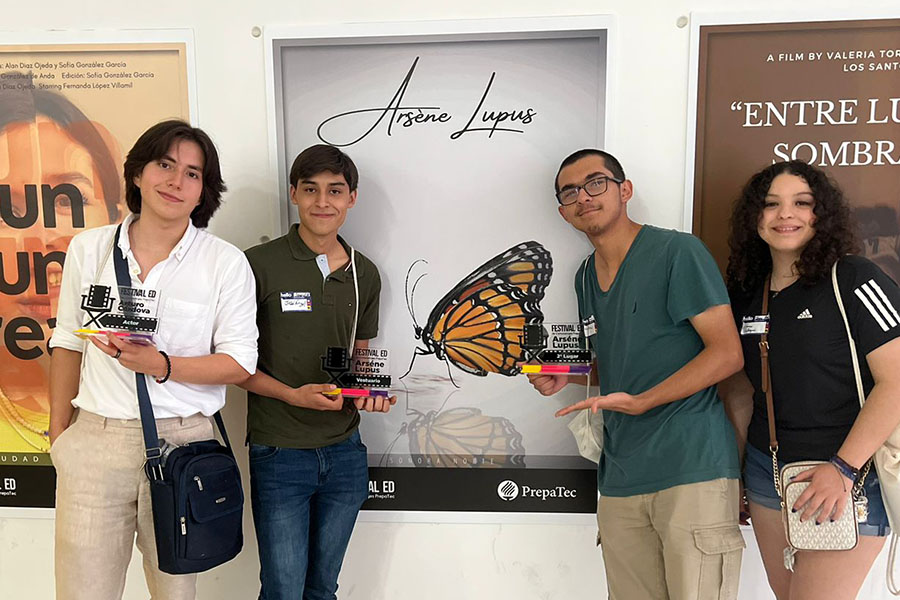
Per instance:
(760,488)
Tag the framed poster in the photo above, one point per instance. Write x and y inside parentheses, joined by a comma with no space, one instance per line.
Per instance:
(771,88)
(457,129)
(71,104)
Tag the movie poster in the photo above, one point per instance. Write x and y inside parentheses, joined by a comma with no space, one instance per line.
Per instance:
(827,93)
(458,140)
(68,112)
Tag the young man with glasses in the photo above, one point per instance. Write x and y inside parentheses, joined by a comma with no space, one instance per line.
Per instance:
(656,311)
(308,465)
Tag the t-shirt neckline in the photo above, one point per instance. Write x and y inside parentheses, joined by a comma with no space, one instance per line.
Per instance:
(634,244)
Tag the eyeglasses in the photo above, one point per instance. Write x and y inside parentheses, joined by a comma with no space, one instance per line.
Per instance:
(592,187)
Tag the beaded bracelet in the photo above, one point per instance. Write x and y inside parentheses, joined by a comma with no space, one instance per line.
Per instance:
(165,377)
(846,469)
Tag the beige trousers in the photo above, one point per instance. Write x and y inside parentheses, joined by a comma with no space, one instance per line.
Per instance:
(681,543)
(102,499)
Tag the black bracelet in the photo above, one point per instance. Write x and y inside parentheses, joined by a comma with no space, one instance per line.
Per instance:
(165,377)
(846,469)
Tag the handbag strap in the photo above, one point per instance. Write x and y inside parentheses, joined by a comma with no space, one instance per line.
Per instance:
(854,358)
(840,302)
(766,381)
(152,451)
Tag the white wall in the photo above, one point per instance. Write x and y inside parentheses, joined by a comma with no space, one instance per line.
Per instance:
(400,561)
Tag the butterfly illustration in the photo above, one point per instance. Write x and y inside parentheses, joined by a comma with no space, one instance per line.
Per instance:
(478,325)
(464,437)
(459,437)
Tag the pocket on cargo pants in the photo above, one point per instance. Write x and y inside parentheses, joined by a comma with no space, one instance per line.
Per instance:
(721,548)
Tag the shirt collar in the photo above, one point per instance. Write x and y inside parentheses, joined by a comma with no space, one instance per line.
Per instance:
(300,251)
(180,249)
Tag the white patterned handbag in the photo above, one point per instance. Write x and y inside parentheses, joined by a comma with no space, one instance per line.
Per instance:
(840,534)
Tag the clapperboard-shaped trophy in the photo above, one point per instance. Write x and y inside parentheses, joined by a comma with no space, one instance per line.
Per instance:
(557,348)
(133,315)
(366,373)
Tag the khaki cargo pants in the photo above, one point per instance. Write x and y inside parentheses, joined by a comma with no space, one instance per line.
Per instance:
(681,543)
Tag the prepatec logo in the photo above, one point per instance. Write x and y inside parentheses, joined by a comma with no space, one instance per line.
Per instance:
(508,490)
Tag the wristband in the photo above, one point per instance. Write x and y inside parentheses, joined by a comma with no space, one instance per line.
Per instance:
(165,377)
(846,469)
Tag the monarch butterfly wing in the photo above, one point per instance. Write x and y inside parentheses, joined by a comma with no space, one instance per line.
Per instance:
(463,437)
(527,266)
(479,323)
(482,334)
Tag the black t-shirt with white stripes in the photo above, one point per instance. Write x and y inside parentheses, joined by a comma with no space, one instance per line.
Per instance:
(812,374)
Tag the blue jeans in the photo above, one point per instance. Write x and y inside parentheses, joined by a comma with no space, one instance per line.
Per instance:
(305,504)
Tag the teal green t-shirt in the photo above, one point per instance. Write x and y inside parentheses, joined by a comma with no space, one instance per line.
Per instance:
(644,336)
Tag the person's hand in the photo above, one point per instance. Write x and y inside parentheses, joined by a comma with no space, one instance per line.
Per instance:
(547,385)
(312,396)
(825,495)
(380,404)
(140,358)
(617,401)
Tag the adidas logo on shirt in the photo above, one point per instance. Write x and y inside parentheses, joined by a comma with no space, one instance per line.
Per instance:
(805,314)
(878,305)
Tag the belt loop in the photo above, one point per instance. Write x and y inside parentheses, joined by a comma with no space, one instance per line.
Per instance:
(181,421)
(105,420)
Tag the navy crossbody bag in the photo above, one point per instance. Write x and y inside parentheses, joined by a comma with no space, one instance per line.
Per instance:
(195,489)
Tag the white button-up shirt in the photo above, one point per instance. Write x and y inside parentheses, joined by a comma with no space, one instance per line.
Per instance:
(207,304)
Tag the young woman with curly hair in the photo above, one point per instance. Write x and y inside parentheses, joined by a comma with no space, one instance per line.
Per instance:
(790,225)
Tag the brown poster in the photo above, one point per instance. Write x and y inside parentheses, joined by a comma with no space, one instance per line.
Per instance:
(826,93)
(67,114)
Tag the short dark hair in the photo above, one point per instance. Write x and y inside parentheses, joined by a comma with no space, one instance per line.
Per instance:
(25,102)
(750,260)
(323,157)
(612,163)
(154,144)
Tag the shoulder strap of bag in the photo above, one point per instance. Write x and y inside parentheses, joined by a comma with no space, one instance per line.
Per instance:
(891,584)
(766,382)
(152,451)
(840,302)
(860,392)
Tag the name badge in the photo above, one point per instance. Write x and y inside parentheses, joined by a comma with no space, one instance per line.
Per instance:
(590,326)
(755,325)
(296,302)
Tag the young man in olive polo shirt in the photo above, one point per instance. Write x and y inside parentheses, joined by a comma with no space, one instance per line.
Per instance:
(308,466)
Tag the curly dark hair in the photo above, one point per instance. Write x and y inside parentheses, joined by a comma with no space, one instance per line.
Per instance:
(750,260)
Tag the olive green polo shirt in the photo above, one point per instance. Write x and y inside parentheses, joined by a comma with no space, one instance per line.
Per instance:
(300,314)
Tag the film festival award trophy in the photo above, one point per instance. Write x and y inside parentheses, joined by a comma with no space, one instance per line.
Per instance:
(363,374)
(555,348)
(562,349)
(131,316)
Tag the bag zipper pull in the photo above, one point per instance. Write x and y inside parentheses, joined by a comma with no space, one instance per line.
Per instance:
(183,527)
(199,483)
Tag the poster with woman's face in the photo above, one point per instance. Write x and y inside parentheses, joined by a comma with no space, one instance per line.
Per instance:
(68,114)
(52,189)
